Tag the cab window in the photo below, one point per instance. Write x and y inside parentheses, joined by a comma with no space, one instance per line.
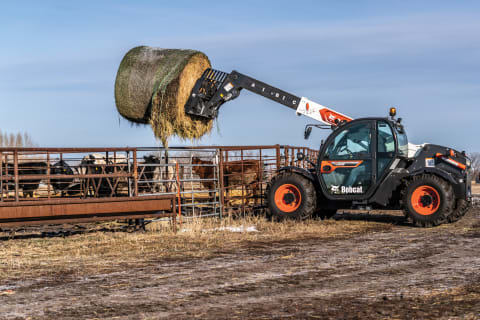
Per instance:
(385,147)
(385,139)
(402,142)
(351,143)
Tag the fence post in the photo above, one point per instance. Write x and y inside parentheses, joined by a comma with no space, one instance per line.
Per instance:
(135,173)
(1,173)
(260,181)
(285,151)
(277,148)
(48,173)
(179,195)
(220,182)
(129,171)
(243,184)
(15,172)
(305,164)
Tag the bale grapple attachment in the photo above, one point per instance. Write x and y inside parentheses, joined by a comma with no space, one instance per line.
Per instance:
(214,88)
(208,94)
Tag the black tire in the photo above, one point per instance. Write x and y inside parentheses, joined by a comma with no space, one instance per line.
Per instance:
(325,214)
(444,204)
(305,204)
(461,209)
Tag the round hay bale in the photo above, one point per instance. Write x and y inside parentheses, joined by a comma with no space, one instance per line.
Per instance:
(153,85)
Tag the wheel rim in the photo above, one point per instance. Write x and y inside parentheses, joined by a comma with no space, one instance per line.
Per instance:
(425,200)
(288,198)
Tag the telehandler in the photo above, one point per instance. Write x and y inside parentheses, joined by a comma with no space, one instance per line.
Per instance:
(364,163)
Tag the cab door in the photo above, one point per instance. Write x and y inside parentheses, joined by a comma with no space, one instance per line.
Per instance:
(347,166)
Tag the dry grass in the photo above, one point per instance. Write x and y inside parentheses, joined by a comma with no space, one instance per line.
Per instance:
(101,252)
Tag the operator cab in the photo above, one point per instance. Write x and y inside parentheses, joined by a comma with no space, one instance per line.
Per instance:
(357,156)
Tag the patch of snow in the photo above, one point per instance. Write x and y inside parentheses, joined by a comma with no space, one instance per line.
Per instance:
(230,229)
(238,229)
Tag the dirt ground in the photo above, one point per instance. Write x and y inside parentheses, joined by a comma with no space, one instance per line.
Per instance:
(476,188)
(390,271)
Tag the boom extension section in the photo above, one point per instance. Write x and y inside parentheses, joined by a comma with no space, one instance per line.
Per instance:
(214,88)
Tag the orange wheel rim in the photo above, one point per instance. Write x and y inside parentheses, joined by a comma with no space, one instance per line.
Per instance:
(288,198)
(425,200)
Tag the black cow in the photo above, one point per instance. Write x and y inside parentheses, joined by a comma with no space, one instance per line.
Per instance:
(98,164)
(61,168)
(31,168)
(28,186)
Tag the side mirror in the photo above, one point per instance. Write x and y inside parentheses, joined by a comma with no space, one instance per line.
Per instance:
(308,131)
(300,156)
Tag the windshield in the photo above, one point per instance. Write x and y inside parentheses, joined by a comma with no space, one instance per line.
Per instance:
(402,141)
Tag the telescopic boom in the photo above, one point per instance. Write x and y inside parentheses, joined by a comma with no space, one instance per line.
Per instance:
(214,88)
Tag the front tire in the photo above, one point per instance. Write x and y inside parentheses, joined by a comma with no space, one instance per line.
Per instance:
(428,200)
(291,196)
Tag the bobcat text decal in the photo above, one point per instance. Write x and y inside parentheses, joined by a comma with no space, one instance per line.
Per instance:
(346,190)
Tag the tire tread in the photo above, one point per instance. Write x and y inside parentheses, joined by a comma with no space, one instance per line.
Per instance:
(310,202)
(444,212)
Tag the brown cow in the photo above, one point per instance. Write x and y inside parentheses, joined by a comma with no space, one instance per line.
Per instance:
(232,174)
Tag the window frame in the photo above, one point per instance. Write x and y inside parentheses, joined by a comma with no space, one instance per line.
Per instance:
(394,153)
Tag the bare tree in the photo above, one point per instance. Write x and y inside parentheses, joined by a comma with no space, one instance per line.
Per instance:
(27,140)
(475,158)
(11,140)
(16,140)
(19,140)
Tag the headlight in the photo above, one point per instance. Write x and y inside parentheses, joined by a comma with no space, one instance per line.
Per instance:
(469,163)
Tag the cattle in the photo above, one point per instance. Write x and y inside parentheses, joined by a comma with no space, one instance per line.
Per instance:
(96,163)
(26,168)
(61,184)
(28,186)
(148,173)
(155,176)
(235,174)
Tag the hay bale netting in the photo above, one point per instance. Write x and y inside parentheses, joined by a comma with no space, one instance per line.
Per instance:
(153,85)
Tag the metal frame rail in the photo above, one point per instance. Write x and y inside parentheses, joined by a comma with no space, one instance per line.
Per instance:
(46,185)
(98,175)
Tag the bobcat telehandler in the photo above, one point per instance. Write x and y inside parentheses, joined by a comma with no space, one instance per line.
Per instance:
(363,164)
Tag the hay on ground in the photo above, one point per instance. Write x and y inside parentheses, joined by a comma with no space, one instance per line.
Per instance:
(153,85)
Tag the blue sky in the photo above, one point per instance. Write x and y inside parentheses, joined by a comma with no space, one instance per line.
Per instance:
(59,59)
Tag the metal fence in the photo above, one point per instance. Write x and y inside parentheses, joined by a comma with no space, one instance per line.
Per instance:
(246,170)
(207,181)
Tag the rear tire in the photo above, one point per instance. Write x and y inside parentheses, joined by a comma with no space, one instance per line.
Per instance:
(460,210)
(291,196)
(428,200)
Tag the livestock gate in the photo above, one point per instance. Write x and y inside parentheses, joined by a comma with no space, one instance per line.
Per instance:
(49,185)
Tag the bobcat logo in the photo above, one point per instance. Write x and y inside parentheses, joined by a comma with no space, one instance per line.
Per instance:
(335,189)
